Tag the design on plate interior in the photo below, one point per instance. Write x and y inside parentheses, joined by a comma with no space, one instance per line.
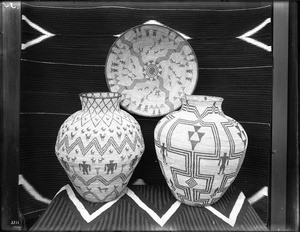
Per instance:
(99,147)
(152,66)
(200,150)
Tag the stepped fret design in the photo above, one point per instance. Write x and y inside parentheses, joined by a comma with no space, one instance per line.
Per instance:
(200,150)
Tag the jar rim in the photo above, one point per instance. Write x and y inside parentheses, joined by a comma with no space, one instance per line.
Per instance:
(205,98)
(100,95)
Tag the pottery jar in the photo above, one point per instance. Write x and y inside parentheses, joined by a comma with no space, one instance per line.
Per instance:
(99,147)
(200,150)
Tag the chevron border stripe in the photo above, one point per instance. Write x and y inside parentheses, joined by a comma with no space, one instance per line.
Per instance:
(32,191)
(263,192)
(231,220)
(80,207)
(159,220)
(45,34)
(234,212)
(246,36)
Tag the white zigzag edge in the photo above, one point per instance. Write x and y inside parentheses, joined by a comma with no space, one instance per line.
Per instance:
(80,207)
(263,192)
(234,212)
(231,220)
(246,36)
(39,39)
(161,221)
(31,190)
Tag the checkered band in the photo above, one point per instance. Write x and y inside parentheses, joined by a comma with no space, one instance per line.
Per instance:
(100,102)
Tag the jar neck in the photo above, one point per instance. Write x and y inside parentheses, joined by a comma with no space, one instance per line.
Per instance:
(201,103)
(100,102)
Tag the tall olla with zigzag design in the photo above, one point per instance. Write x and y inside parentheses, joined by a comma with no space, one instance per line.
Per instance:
(99,147)
(200,150)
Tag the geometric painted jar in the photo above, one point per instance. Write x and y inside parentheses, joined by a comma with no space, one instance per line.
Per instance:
(200,150)
(99,147)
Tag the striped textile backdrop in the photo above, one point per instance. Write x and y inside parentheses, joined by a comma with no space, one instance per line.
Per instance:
(64,49)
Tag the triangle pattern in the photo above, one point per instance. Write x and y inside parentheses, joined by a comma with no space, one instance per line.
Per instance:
(200,135)
(195,137)
(197,128)
(190,134)
(193,143)
(240,134)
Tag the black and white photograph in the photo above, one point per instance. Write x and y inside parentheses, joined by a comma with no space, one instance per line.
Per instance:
(149,115)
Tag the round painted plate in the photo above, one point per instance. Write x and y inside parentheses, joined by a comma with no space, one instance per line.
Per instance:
(152,67)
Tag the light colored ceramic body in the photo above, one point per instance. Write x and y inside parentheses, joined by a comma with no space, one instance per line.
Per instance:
(99,147)
(200,150)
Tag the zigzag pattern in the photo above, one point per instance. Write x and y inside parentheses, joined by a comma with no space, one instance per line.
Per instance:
(209,110)
(122,176)
(111,142)
(104,199)
(94,195)
(89,217)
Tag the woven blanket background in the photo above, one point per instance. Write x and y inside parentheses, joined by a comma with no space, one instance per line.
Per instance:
(72,58)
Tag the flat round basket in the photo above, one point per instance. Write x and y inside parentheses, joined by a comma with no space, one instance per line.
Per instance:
(152,67)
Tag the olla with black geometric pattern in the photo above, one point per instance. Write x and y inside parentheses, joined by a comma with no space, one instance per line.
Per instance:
(200,150)
(99,147)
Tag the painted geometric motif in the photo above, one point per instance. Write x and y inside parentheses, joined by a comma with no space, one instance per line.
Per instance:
(99,147)
(152,66)
(200,150)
